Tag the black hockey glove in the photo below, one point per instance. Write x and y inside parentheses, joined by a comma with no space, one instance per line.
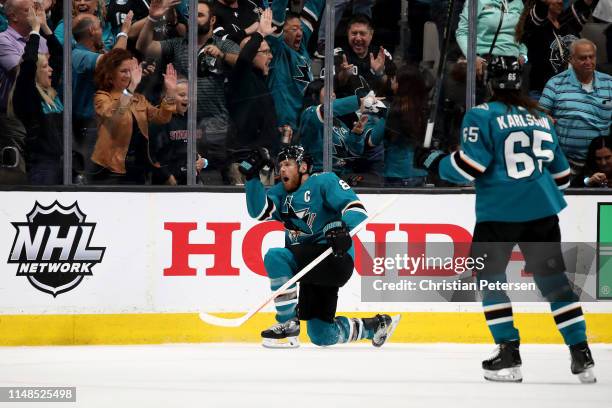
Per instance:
(428,159)
(258,159)
(338,237)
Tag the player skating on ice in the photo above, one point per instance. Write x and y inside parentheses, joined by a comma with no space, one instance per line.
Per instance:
(511,151)
(318,211)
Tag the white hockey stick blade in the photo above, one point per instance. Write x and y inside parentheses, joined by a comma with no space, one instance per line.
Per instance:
(239,321)
(428,135)
(221,321)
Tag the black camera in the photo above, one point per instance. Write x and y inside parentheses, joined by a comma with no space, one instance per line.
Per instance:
(208,65)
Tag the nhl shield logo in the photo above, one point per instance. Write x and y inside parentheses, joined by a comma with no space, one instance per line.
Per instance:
(52,249)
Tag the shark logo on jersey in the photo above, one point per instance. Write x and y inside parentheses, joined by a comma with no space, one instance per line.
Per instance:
(560,52)
(297,222)
(363,86)
(340,150)
(303,76)
(339,145)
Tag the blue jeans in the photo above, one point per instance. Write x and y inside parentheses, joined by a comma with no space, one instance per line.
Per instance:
(359,7)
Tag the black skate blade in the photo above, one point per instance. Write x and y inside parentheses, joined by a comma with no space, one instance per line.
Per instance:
(287,342)
(512,374)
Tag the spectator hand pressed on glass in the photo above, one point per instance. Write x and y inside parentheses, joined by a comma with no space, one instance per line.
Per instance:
(42,19)
(346,70)
(265,23)
(377,65)
(359,126)
(33,19)
(169,83)
(135,78)
(158,8)
(127,23)
(135,75)
(481,66)
(199,164)
(597,179)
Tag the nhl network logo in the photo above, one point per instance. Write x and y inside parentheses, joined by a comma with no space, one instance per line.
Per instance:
(52,248)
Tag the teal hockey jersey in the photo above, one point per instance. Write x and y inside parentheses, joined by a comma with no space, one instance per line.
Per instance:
(321,199)
(290,70)
(515,161)
(347,146)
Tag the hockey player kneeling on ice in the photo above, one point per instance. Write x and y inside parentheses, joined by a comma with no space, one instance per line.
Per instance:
(511,151)
(318,211)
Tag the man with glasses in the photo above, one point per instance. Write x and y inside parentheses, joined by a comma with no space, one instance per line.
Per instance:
(291,70)
(580,101)
(250,102)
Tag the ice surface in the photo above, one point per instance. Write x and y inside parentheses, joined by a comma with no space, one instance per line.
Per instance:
(355,376)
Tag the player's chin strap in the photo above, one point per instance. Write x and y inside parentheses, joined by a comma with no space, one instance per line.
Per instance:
(239,321)
(301,174)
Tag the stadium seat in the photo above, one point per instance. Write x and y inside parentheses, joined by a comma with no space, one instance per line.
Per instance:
(595,33)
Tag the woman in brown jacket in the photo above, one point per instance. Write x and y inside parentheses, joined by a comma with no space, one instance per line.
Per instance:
(122,148)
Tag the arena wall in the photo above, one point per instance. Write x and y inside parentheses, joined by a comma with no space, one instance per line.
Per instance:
(154,260)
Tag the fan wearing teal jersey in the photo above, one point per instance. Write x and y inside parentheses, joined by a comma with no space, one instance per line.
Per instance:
(348,144)
(290,69)
(510,150)
(318,211)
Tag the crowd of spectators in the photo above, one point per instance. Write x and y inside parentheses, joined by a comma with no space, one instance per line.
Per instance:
(260,84)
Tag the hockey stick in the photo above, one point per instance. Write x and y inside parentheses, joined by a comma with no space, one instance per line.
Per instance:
(239,321)
(439,77)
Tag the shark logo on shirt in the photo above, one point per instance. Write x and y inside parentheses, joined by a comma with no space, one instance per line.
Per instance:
(560,52)
(303,75)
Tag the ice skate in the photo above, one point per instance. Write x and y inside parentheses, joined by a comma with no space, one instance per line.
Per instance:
(282,335)
(504,364)
(582,363)
(383,326)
